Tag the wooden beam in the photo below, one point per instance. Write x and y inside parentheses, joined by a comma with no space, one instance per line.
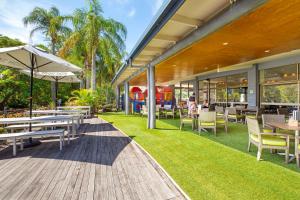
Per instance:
(166,38)
(148,57)
(186,20)
(149,48)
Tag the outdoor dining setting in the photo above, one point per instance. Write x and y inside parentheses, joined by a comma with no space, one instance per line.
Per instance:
(35,124)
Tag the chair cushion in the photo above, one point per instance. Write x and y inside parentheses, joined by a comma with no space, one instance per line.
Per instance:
(270,140)
(221,121)
(251,116)
(187,120)
(207,124)
(265,130)
(286,132)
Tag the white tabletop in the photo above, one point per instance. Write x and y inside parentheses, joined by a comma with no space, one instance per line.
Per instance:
(57,111)
(21,120)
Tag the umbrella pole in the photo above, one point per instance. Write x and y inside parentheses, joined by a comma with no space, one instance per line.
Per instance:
(30,142)
(56,93)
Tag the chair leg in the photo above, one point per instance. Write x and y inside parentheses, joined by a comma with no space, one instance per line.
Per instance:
(287,156)
(249,145)
(215,130)
(259,153)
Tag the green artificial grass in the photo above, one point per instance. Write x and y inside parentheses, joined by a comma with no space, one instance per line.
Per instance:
(209,167)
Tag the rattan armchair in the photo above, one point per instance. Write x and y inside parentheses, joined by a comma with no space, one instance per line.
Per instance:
(266,140)
(185,119)
(207,120)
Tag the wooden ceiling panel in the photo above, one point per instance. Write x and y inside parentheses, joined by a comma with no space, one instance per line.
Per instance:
(271,29)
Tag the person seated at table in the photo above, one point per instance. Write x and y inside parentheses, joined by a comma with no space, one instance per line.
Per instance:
(205,104)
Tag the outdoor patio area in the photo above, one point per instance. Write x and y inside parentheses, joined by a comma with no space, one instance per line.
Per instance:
(102,164)
(213,167)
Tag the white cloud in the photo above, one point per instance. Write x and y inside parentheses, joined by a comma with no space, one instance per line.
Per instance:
(132,12)
(12,13)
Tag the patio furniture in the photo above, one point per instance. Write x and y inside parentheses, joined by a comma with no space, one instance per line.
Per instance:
(234,115)
(266,140)
(43,126)
(207,120)
(222,120)
(24,135)
(219,110)
(283,111)
(185,119)
(169,111)
(159,112)
(280,119)
(144,111)
(87,109)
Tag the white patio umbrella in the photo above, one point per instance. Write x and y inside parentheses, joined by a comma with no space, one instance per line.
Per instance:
(30,58)
(58,77)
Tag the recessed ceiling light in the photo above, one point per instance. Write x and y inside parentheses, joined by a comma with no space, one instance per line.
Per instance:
(225,43)
(174,65)
(267,51)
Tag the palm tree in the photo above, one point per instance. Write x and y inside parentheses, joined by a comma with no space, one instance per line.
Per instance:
(97,37)
(52,25)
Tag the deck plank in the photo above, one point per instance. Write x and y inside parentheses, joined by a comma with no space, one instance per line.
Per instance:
(101,164)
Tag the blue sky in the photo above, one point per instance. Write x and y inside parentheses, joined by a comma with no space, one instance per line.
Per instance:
(135,14)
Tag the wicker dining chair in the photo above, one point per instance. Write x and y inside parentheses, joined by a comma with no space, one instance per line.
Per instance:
(278,119)
(233,114)
(222,120)
(219,110)
(144,111)
(262,140)
(207,120)
(185,119)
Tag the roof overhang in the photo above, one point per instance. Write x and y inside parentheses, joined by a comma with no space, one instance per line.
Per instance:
(269,31)
(175,21)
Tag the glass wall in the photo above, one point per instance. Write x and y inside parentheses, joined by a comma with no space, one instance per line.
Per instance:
(280,85)
(224,90)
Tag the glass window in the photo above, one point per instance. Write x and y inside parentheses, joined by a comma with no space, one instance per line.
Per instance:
(237,81)
(285,93)
(279,85)
(218,90)
(279,74)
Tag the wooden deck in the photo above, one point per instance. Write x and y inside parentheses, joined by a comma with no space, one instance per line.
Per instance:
(101,164)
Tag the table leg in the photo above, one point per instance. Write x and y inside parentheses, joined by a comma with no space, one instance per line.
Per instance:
(14,146)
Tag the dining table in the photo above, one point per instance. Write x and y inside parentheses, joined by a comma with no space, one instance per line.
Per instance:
(286,126)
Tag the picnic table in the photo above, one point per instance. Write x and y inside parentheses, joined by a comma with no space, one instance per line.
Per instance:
(286,126)
(79,113)
(40,119)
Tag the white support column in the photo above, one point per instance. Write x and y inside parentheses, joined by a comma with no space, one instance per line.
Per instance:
(151,97)
(118,97)
(196,90)
(126,98)
(253,86)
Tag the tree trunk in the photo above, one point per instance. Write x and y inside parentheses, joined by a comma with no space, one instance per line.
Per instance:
(93,72)
(86,74)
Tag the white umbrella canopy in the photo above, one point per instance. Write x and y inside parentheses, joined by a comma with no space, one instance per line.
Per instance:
(27,57)
(30,58)
(62,77)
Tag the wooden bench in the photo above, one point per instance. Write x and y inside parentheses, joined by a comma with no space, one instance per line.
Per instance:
(24,135)
(14,127)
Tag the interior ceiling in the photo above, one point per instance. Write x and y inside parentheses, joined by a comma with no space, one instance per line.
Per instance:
(271,29)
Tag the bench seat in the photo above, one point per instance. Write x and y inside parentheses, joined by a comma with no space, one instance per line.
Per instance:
(24,135)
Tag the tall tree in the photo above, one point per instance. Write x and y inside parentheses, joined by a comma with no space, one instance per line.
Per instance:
(52,25)
(98,38)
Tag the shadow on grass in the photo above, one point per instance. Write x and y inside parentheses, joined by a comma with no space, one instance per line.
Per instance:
(236,138)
